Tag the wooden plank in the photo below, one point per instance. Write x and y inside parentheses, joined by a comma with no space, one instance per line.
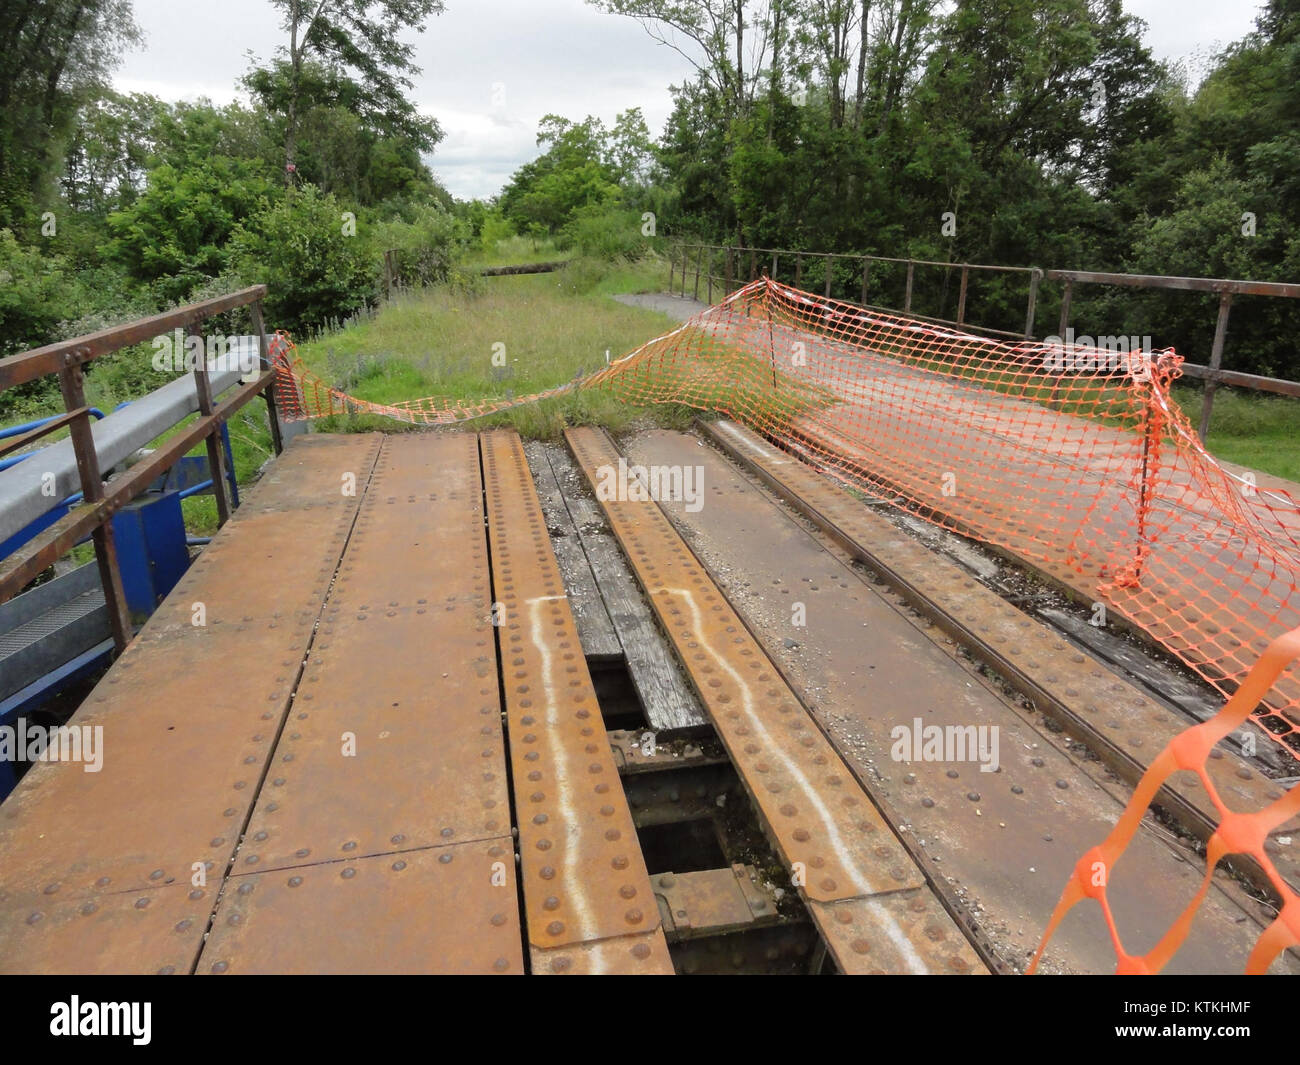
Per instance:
(523,268)
(668,700)
(595,630)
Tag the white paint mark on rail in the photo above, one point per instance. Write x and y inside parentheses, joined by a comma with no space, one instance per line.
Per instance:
(560,758)
(884,919)
(756,722)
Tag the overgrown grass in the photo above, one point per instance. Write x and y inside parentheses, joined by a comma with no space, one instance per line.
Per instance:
(512,250)
(436,342)
(509,336)
(1250,429)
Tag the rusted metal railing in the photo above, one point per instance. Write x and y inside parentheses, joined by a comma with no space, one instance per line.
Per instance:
(749,259)
(100,499)
(1213,374)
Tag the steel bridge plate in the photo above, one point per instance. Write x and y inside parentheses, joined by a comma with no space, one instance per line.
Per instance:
(638,955)
(423,467)
(419,535)
(447,910)
(271,568)
(179,771)
(1107,711)
(315,470)
(189,714)
(159,931)
(583,873)
(710,901)
(395,741)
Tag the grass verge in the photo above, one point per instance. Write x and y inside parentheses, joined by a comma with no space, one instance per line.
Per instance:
(1250,429)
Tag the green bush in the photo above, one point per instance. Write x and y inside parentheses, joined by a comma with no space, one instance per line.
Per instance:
(603,232)
(174,236)
(426,246)
(495,228)
(36,293)
(304,250)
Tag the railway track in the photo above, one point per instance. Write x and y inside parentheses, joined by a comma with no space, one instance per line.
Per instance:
(367,733)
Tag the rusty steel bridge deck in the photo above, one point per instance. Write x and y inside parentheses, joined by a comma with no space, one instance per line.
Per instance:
(362,735)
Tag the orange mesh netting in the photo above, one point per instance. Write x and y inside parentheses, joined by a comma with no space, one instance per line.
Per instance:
(300,394)
(1237,833)
(1073,458)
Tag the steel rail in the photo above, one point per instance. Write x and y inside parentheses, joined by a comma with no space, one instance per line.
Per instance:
(1124,726)
(588,903)
(869,900)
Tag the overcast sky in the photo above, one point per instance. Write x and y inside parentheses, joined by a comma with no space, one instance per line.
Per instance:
(492,68)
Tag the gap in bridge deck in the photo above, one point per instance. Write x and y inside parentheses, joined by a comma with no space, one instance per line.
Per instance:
(716,878)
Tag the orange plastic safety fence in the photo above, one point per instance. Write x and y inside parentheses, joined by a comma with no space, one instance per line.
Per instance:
(1237,833)
(1073,458)
(300,395)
